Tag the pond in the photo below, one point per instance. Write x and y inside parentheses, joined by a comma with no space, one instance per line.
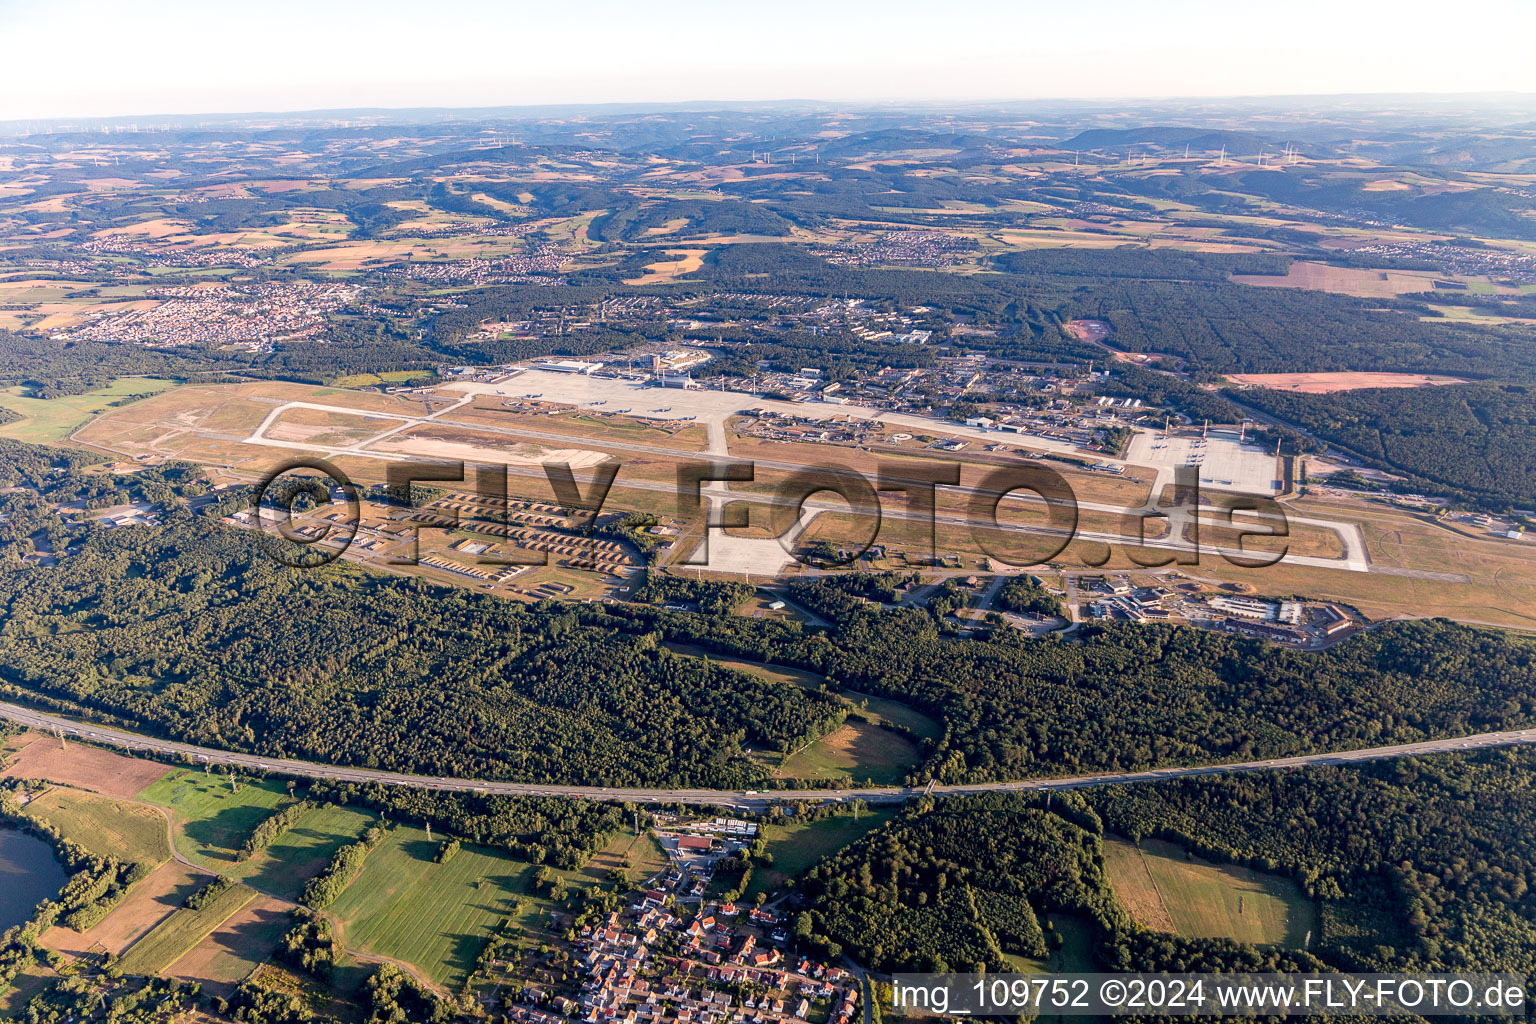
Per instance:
(29,874)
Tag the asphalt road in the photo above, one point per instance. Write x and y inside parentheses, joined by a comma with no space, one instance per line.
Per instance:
(748,799)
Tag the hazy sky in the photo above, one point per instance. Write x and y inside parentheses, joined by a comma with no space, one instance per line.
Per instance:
(61,58)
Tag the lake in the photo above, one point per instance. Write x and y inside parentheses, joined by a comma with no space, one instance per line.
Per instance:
(28,875)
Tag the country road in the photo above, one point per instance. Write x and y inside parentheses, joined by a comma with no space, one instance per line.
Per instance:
(745,800)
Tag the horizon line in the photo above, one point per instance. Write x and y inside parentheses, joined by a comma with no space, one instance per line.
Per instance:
(702,104)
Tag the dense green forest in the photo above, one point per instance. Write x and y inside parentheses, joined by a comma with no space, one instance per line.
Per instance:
(1419,864)
(1233,328)
(964,883)
(192,631)
(1470,442)
(956,888)
(1133,696)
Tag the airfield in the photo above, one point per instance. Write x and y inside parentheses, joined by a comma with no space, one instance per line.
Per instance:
(582,421)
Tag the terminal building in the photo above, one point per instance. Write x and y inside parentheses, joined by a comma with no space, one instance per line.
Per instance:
(571,366)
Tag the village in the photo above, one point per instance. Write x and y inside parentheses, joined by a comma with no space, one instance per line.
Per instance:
(677,953)
(251,317)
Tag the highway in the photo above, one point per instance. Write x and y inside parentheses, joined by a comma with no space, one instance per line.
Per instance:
(738,799)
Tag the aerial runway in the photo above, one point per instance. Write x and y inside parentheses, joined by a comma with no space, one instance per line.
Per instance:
(745,800)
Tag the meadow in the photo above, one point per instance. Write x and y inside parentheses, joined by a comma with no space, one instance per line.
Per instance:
(104,826)
(855,751)
(1166,891)
(45,420)
(213,817)
(436,916)
(890,712)
(302,852)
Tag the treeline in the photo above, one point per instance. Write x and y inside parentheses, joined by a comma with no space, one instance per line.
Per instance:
(209,893)
(324,889)
(554,830)
(272,828)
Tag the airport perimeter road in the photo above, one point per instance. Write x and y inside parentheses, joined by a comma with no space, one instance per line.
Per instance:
(748,799)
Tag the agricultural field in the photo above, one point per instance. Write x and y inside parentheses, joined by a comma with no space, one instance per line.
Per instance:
(435,916)
(212,815)
(1369,284)
(148,903)
(39,756)
(1165,890)
(229,953)
(45,420)
(180,933)
(302,852)
(106,827)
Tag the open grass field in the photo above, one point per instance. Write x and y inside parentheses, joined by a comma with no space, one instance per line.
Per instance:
(180,933)
(435,916)
(302,852)
(39,756)
(855,751)
(47,420)
(235,948)
(798,845)
(638,856)
(890,712)
(1074,954)
(106,827)
(205,423)
(211,819)
(368,380)
(1164,890)
(686,262)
